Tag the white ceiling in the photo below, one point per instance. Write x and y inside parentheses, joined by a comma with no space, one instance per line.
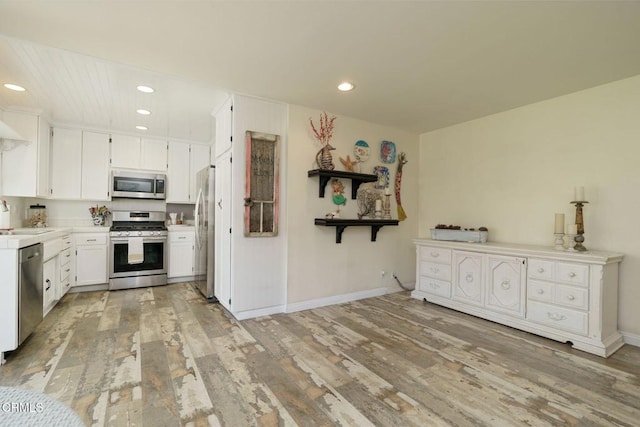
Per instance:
(417,65)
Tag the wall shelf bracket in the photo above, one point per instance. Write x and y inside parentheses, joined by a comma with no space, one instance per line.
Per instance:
(341,224)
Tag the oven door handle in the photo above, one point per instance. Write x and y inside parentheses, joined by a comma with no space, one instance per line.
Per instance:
(144,239)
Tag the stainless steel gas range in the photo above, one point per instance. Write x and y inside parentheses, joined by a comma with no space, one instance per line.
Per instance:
(138,250)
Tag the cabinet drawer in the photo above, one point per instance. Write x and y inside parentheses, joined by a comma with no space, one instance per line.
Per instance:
(435,270)
(65,257)
(91,239)
(573,297)
(435,286)
(558,317)
(66,241)
(575,274)
(539,291)
(65,273)
(181,236)
(540,269)
(442,256)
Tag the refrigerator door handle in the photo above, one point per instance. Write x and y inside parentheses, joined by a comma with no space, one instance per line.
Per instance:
(198,218)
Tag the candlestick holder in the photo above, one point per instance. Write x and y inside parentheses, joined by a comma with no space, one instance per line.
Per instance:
(579,238)
(387,207)
(559,243)
(571,242)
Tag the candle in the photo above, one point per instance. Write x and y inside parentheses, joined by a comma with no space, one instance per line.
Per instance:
(578,194)
(559,227)
(378,205)
(572,228)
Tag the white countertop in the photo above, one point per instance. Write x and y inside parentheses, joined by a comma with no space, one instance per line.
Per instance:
(17,241)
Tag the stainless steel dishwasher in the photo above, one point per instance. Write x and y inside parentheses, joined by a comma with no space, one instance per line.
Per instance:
(29,290)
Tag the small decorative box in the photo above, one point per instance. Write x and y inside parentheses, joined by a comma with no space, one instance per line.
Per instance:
(459,235)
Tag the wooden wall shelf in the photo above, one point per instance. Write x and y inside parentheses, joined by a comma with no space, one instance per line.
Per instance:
(341,224)
(356,179)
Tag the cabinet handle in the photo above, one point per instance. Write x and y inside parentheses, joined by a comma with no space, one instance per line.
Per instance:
(572,274)
(469,277)
(182,237)
(91,240)
(68,255)
(48,285)
(540,270)
(540,291)
(435,254)
(435,270)
(570,297)
(220,203)
(556,316)
(505,284)
(434,285)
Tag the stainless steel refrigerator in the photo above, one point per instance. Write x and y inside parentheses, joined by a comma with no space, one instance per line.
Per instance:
(205,230)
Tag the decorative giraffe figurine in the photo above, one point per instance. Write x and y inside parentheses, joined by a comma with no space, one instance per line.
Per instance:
(402,160)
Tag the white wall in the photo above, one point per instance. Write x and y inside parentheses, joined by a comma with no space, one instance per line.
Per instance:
(318,267)
(512,171)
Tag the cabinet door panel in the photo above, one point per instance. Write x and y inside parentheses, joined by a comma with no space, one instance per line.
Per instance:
(125,151)
(95,166)
(66,163)
(153,155)
(19,165)
(505,285)
(199,159)
(91,265)
(468,277)
(177,173)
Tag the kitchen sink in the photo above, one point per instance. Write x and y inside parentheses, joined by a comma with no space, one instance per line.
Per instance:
(24,232)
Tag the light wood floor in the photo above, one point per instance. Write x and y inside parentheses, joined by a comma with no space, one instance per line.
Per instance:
(162,356)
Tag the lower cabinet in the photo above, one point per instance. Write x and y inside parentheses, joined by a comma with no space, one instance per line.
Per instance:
(91,259)
(181,253)
(65,266)
(566,296)
(49,284)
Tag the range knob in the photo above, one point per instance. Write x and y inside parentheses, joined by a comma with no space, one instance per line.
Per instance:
(139,233)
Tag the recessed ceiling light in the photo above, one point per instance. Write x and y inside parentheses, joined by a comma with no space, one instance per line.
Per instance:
(142,128)
(146,89)
(345,86)
(15,87)
(143,112)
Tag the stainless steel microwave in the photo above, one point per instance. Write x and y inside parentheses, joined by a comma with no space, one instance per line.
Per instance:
(134,185)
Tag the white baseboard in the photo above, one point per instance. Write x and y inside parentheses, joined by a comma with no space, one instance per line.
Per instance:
(631,339)
(267,311)
(339,299)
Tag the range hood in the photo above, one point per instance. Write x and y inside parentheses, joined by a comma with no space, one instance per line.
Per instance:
(9,138)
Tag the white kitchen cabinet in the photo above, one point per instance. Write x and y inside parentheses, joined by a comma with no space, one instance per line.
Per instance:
(222,252)
(224,128)
(133,152)
(25,168)
(566,296)
(65,267)
(181,253)
(49,284)
(177,180)
(91,258)
(66,163)
(185,160)
(95,166)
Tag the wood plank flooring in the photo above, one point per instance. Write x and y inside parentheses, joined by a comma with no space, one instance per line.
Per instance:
(164,357)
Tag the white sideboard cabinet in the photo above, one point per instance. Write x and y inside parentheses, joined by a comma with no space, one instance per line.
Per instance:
(565,296)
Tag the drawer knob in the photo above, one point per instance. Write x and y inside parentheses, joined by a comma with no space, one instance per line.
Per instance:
(435,270)
(540,270)
(540,291)
(469,277)
(570,297)
(556,316)
(435,254)
(572,274)
(505,284)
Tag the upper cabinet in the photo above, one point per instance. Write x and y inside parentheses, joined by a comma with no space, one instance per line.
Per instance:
(132,152)
(25,168)
(66,163)
(224,125)
(180,179)
(95,166)
(79,165)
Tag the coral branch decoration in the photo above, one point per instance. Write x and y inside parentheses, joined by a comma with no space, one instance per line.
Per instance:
(323,133)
